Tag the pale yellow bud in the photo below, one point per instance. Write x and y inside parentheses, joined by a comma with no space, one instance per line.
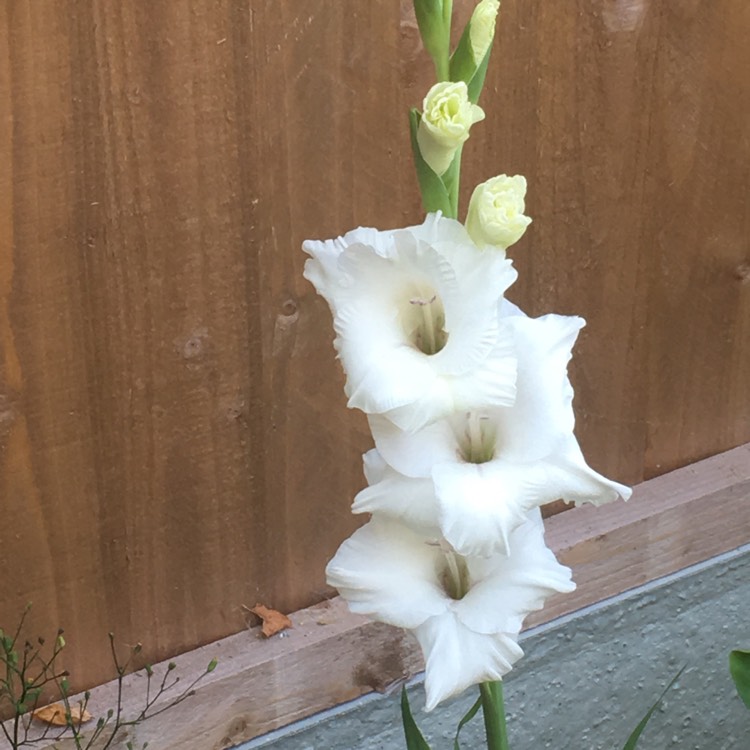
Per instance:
(482,28)
(447,117)
(496,209)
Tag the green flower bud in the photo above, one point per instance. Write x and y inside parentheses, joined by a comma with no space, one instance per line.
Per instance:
(446,120)
(495,215)
(482,28)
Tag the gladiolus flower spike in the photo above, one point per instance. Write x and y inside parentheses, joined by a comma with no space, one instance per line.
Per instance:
(468,400)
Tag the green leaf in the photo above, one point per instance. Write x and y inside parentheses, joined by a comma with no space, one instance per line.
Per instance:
(468,716)
(739,668)
(462,66)
(434,193)
(414,738)
(477,80)
(632,742)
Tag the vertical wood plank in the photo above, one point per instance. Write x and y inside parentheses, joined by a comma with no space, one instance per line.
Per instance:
(698,220)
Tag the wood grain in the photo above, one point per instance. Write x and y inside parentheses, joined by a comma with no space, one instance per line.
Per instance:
(626,118)
(173,436)
(331,656)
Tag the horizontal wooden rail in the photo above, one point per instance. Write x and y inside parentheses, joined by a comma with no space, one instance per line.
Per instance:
(331,655)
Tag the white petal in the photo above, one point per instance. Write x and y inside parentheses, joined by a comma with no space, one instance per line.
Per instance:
(537,431)
(412,501)
(414,454)
(508,308)
(374,466)
(437,228)
(480,505)
(388,572)
(489,274)
(491,383)
(380,241)
(579,483)
(456,657)
(436,399)
(542,413)
(397,378)
(505,589)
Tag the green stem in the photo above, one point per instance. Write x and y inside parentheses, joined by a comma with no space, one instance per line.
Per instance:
(442,63)
(451,179)
(494,715)
(454,188)
(447,14)
(442,68)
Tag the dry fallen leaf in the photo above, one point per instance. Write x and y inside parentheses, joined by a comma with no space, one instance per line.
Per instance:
(273,621)
(54,714)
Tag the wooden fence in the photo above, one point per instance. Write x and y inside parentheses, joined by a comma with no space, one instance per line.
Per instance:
(174,442)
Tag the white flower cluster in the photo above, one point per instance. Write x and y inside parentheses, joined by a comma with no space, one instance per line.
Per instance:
(470,408)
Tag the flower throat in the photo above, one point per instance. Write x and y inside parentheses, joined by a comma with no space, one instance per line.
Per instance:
(477,443)
(425,322)
(454,576)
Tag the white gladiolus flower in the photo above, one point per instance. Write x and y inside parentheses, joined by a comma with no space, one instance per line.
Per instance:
(447,118)
(490,466)
(466,612)
(416,318)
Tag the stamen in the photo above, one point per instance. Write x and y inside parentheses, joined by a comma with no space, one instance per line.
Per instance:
(419,301)
(478,442)
(425,327)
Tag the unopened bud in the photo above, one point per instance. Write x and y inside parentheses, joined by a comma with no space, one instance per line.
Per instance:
(482,28)
(495,215)
(447,117)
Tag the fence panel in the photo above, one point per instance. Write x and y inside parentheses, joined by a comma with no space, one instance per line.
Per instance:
(173,436)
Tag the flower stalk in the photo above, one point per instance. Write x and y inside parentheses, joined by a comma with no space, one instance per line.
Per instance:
(468,401)
(493,709)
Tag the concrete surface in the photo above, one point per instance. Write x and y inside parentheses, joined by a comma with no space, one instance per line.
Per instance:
(587,679)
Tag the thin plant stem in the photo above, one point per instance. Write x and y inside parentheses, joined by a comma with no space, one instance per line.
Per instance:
(442,61)
(442,69)
(493,709)
(454,188)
